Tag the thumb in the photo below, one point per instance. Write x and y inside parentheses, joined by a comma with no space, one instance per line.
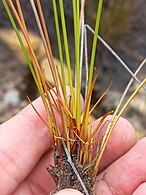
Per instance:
(69,192)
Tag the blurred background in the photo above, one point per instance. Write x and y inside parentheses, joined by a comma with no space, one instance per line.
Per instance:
(123,27)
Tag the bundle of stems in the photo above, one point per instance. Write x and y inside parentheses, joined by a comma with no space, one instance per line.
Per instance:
(74,137)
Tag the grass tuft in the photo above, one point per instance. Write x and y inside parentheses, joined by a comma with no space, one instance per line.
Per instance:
(74,137)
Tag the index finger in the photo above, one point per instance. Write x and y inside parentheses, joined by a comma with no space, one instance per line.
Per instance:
(23,140)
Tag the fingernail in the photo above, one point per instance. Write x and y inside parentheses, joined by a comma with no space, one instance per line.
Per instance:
(69,192)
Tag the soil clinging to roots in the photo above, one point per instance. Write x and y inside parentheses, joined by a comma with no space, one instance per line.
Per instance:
(69,173)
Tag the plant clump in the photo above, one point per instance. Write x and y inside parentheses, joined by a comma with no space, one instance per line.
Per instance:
(78,149)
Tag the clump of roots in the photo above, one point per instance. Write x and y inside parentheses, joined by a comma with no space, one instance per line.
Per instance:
(68,172)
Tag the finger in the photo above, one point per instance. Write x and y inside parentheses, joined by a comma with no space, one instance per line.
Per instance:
(39,180)
(23,140)
(122,139)
(69,192)
(126,174)
(141,190)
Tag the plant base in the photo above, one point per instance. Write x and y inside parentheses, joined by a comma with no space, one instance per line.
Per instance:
(66,177)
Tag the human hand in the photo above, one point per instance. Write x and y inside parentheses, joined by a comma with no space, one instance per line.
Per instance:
(25,150)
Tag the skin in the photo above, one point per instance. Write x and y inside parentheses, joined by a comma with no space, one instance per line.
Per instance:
(25,149)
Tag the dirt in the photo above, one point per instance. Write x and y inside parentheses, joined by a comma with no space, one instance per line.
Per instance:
(15,81)
(66,170)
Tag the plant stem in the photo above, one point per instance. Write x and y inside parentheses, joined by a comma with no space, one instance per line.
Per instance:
(94,45)
(67,54)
